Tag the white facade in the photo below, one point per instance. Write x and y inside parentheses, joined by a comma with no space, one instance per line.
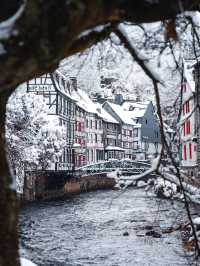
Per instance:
(188,126)
(94,133)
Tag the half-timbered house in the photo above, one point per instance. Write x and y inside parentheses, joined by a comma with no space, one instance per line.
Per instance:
(56,90)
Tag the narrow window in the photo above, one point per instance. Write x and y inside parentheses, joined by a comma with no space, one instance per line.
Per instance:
(188,127)
(185,153)
(184,128)
(190,149)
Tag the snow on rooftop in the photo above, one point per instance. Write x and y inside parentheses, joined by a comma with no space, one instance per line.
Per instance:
(136,109)
(61,88)
(125,116)
(85,102)
(105,115)
(114,148)
(127,105)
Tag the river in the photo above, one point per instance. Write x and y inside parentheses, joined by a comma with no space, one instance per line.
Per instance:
(88,229)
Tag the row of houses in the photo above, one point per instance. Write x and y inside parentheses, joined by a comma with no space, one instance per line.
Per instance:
(97,131)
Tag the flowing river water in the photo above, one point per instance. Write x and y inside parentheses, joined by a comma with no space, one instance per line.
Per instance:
(102,228)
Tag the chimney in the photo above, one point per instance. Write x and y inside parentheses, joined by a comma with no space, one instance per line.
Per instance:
(119,99)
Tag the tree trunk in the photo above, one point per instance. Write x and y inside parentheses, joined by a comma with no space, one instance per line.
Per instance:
(8,201)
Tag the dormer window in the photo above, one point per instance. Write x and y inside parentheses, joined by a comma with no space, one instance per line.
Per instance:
(131,108)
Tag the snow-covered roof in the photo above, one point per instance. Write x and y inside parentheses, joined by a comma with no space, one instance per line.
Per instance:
(114,148)
(136,109)
(128,104)
(105,115)
(60,87)
(125,116)
(136,113)
(85,102)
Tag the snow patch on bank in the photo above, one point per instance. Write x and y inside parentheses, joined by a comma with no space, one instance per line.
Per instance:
(25,262)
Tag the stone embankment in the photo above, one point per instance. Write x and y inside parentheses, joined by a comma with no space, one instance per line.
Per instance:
(43,185)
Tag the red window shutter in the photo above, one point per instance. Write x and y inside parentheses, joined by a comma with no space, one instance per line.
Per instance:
(185,153)
(190,149)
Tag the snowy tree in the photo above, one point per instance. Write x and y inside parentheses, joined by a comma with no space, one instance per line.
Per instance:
(35,139)
(34,37)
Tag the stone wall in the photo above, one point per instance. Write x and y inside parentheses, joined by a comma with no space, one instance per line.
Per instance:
(43,185)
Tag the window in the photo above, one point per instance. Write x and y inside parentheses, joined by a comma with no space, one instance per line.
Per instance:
(130,133)
(63,83)
(187,127)
(188,106)
(135,132)
(184,87)
(95,138)
(90,123)
(184,129)
(95,124)
(60,104)
(78,126)
(190,149)
(64,106)
(86,123)
(184,152)
(135,145)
